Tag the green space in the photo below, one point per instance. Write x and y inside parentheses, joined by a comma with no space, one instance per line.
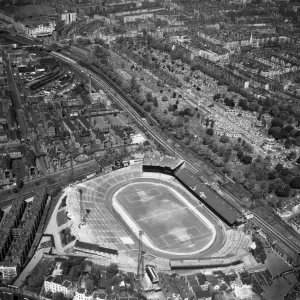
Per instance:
(66,237)
(62,218)
(43,269)
(63,202)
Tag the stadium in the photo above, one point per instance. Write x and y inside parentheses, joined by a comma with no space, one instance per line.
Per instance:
(184,221)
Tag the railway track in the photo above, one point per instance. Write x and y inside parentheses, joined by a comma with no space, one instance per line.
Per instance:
(108,88)
(7,202)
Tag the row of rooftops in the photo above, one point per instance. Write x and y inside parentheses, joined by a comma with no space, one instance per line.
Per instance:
(121,132)
(14,215)
(11,224)
(199,283)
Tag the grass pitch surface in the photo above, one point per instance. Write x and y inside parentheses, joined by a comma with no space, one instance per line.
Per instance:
(164,218)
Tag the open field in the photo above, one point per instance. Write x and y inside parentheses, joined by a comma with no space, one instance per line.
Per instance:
(164,218)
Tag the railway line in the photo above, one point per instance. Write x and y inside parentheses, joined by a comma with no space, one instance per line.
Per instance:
(107,87)
(5,203)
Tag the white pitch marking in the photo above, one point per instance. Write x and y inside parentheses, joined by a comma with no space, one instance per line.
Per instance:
(202,195)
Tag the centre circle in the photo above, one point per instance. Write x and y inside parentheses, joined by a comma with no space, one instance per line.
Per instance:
(161,214)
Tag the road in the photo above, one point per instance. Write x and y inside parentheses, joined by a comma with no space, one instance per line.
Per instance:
(169,146)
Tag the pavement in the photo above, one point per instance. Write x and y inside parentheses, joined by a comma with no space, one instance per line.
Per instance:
(53,229)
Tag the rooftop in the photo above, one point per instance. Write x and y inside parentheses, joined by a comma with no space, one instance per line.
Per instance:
(94,247)
(208,196)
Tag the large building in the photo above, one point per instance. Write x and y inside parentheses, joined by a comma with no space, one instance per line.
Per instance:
(39,27)
(8,270)
(17,232)
(56,284)
(68,17)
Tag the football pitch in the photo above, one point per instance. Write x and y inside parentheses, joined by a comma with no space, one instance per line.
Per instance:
(164,217)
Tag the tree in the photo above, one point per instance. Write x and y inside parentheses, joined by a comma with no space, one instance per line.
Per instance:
(292,155)
(238,147)
(227,170)
(19,182)
(240,155)
(284,115)
(186,119)
(275,132)
(246,160)
(224,139)
(89,284)
(274,110)
(243,104)
(239,177)
(277,122)
(221,150)
(164,98)
(112,268)
(290,120)
(100,41)
(210,131)
(227,155)
(248,147)
(66,266)
(215,147)
(58,296)
(177,122)
(283,191)
(171,107)
(217,97)
(149,97)
(253,106)
(206,122)
(279,168)
(83,42)
(108,290)
(148,107)
(288,144)
(295,183)
(297,141)
(229,102)
(289,128)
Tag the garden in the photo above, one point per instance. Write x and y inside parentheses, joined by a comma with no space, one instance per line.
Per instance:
(66,237)
(62,218)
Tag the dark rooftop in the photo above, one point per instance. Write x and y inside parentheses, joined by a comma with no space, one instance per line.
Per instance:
(208,196)
(94,247)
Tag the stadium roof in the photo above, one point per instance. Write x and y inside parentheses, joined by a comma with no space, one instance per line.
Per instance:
(93,247)
(208,196)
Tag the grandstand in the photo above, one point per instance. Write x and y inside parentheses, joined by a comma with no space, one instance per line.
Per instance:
(204,263)
(216,203)
(157,163)
(104,227)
